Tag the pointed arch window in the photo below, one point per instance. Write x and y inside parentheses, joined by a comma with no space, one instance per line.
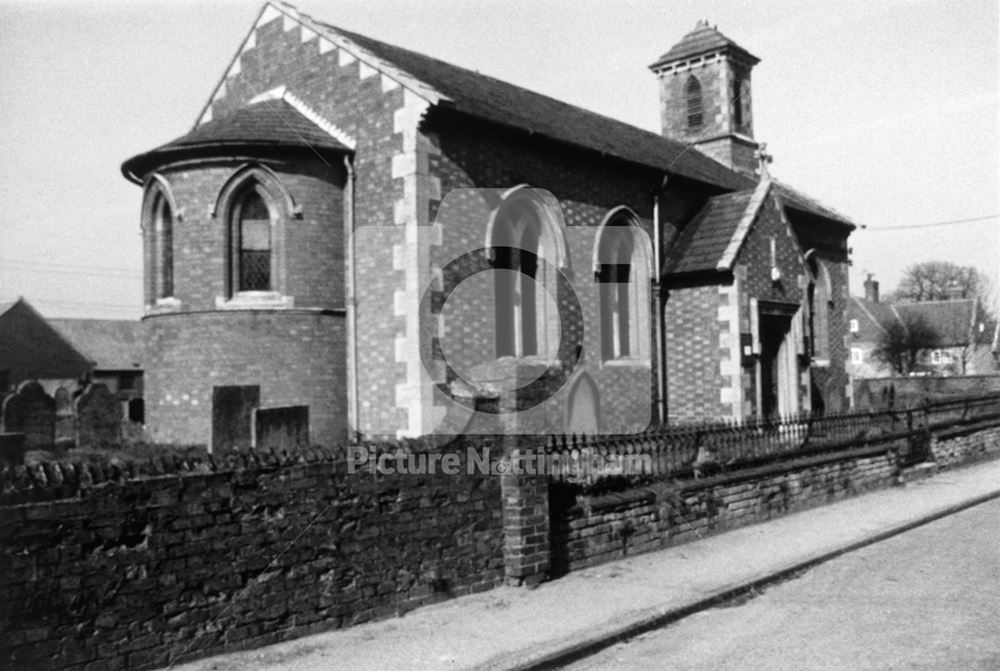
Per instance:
(255,208)
(158,223)
(164,225)
(692,96)
(527,247)
(819,298)
(741,103)
(622,270)
(251,240)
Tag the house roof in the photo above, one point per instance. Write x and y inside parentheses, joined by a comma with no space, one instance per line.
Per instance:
(704,39)
(951,320)
(266,123)
(872,317)
(112,344)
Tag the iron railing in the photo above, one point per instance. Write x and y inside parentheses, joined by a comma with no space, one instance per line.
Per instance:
(684,451)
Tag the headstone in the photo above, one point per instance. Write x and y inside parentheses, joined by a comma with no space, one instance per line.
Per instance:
(32,412)
(99,417)
(65,417)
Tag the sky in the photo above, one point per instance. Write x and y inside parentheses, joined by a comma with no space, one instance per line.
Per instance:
(887,112)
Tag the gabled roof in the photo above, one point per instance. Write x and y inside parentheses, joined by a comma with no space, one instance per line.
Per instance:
(711,241)
(450,87)
(872,318)
(704,39)
(31,348)
(112,344)
(262,124)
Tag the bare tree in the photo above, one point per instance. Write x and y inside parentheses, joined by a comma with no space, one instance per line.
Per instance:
(939,280)
(903,342)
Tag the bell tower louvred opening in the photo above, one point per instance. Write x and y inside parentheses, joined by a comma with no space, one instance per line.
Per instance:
(705,96)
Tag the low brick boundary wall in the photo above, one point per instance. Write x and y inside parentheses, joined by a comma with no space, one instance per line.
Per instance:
(109,568)
(604,528)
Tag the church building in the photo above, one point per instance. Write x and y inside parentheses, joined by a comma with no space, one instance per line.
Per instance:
(398,245)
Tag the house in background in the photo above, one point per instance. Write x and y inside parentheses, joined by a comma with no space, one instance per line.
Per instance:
(965,335)
(115,348)
(65,355)
(296,253)
(32,349)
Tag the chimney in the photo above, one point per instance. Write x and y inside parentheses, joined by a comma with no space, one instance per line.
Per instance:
(871,289)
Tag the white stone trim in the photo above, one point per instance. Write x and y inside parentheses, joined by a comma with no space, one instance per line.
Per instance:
(255,300)
(349,52)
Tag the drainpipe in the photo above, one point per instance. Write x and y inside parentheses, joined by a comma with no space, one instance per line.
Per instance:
(661,364)
(350,282)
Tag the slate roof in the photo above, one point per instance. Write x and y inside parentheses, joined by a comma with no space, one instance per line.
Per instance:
(703,39)
(796,200)
(267,123)
(494,100)
(704,241)
(112,344)
(951,320)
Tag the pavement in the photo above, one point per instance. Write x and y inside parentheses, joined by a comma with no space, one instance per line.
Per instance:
(587,610)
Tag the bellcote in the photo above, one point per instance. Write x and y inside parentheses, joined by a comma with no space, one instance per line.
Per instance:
(705,96)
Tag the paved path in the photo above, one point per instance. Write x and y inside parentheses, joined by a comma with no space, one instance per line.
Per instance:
(518,628)
(926,599)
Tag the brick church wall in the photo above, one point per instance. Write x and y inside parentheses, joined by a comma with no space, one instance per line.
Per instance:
(693,333)
(473,155)
(295,356)
(369,108)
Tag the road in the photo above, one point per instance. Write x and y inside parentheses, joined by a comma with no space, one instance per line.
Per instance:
(926,599)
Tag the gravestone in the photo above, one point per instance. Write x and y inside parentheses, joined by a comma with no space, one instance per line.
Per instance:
(65,417)
(98,417)
(32,412)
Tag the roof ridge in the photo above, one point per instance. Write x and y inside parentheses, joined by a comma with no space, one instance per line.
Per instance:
(477,73)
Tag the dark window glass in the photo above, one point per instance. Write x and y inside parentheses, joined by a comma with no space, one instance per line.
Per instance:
(692,94)
(254,231)
(165,226)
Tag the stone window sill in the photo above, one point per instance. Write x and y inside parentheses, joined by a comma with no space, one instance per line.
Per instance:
(255,300)
(627,362)
(164,306)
